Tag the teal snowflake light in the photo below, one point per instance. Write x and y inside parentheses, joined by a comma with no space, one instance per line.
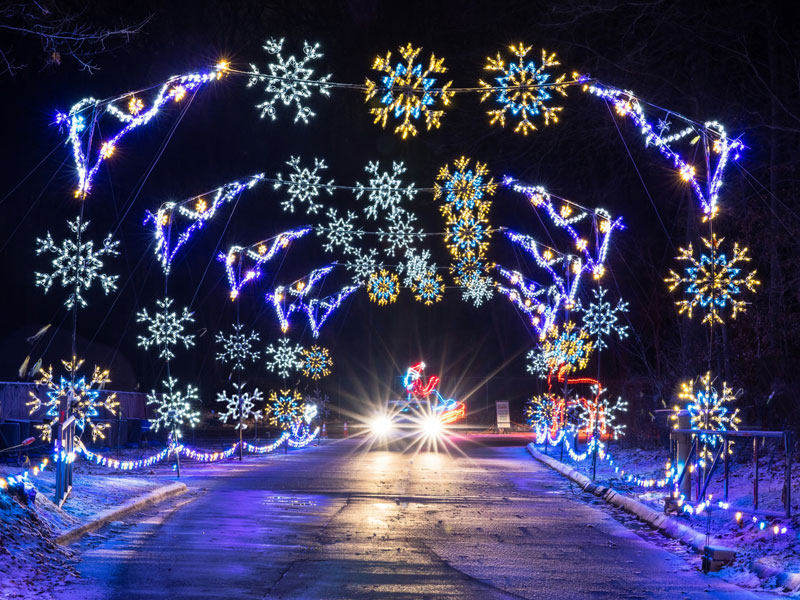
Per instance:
(383,287)
(601,319)
(289,81)
(317,362)
(237,347)
(709,411)
(428,288)
(174,407)
(303,185)
(165,328)
(240,405)
(284,358)
(76,264)
(285,409)
(521,89)
(545,413)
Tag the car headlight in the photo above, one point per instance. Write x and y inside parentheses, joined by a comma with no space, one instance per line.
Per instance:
(381,426)
(432,426)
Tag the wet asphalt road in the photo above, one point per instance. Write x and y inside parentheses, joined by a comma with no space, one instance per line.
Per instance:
(485,521)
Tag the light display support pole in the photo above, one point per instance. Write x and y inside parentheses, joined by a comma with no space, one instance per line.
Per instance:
(174,433)
(239,376)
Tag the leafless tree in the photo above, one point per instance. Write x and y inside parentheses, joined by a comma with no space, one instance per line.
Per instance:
(62,34)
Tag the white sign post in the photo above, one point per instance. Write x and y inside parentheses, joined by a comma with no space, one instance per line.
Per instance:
(503,417)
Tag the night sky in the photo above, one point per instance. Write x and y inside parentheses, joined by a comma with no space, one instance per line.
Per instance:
(676,55)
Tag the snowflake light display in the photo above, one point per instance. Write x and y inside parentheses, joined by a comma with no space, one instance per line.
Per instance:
(385,191)
(285,408)
(174,407)
(340,231)
(478,288)
(82,396)
(538,363)
(522,89)
(406,91)
(545,414)
(284,358)
(601,319)
(240,405)
(400,232)
(237,347)
(598,415)
(567,349)
(289,81)
(77,264)
(383,287)
(303,185)
(429,288)
(364,264)
(165,328)
(708,410)
(712,281)
(317,362)
(416,265)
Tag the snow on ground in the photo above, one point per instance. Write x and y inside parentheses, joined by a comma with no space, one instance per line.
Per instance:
(781,551)
(31,563)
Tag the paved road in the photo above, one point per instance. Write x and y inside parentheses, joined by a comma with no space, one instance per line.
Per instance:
(485,521)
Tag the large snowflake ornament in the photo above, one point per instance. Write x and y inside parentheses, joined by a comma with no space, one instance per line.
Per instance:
(165,328)
(284,358)
(522,89)
(477,288)
(383,287)
(289,81)
(546,413)
(428,288)
(340,231)
(464,187)
(709,411)
(601,319)
(76,264)
(285,408)
(81,396)
(174,407)
(567,348)
(317,362)
(407,91)
(303,185)
(385,191)
(416,265)
(713,281)
(599,416)
(237,347)
(400,234)
(240,405)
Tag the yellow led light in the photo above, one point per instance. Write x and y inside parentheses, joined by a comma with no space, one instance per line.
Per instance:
(200,206)
(135,105)
(262,249)
(565,211)
(178,93)
(106,150)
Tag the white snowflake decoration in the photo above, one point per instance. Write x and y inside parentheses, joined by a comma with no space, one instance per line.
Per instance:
(303,185)
(174,407)
(165,328)
(289,81)
(385,191)
(600,319)
(237,347)
(416,266)
(284,358)
(538,363)
(77,264)
(340,231)
(477,289)
(400,233)
(364,264)
(240,405)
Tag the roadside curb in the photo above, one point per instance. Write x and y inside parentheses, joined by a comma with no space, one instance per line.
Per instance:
(154,497)
(785,579)
(666,525)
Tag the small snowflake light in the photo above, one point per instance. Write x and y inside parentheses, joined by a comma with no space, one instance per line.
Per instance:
(713,281)
(522,89)
(364,264)
(340,231)
(385,191)
(237,347)
(599,415)
(429,288)
(174,407)
(601,319)
(383,287)
(285,408)
(416,265)
(303,185)
(538,363)
(400,233)
(709,410)
(477,288)
(317,362)
(240,405)
(406,91)
(284,358)
(289,81)
(76,264)
(568,348)
(165,328)
(465,187)
(82,396)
